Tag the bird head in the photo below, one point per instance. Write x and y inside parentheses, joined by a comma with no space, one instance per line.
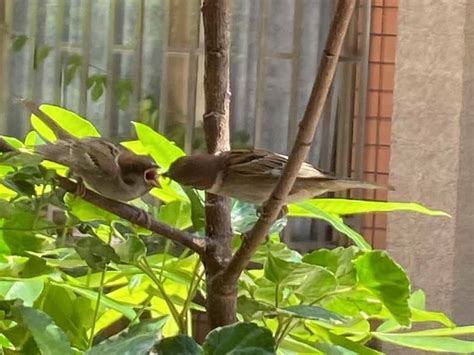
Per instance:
(138,169)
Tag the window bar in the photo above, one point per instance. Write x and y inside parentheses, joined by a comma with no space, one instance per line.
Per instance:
(5,44)
(295,69)
(362,93)
(138,52)
(163,106)
(110,124)
(86,40)
(194,28)
(58,53)
(261,71)
(33,21)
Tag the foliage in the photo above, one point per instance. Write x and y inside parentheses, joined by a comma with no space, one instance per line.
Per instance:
(70,284)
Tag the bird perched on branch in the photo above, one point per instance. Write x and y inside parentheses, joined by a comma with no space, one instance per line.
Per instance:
(251,175)
(111,170)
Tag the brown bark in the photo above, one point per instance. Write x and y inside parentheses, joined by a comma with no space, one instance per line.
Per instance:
(221,296)
(302,145)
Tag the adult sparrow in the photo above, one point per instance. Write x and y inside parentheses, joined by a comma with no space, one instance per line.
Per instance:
(251,175)
(111,170)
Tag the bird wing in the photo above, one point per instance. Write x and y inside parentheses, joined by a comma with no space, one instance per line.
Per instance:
(84,156)
(266,164)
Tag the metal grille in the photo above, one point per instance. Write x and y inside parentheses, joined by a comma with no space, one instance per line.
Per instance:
(114,61)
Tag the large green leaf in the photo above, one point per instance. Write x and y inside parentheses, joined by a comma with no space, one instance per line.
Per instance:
(179,344)
(70,121)
(176,214)
(277,270)
(312,312)
(139,339)
(252,309)
(159,147)
(342,207)
(131,250)
(377,272)
(338,261)
(27,290)
(86,211)
(428,343)
(50,339)
(308,210)
(95,252)
(106,301)
(317,282)
(240,338)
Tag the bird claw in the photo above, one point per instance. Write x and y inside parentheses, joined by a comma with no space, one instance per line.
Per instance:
(143,219)
(80,188)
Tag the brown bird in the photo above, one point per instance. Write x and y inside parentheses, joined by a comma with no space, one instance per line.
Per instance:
(251,175)
(111,170)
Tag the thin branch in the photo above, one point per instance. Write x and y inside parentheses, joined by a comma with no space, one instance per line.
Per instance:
(130,213)
(302,145)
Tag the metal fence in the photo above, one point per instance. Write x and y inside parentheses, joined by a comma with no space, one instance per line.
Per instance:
(114,61)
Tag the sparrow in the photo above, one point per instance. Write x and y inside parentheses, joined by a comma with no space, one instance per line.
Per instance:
(251,175)
(110,170)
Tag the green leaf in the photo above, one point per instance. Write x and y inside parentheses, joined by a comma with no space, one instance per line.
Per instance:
(276,269)
(240,338)
(106,301)
(428,343)
(97,91)
(13,141)
(377,272)
(338,261)
(308,210)
(198,215)
(441,332)
(354,303)
(19,42)
(176,214)
(131,250)
(252,309)
(86,211)
(163,151)
(124,89)
(179,344)
(41,52)
(19,159)
(342,207)
(95,252)
(28,290)
(48,336)
(139,339)
(317,282)
(312,312)
(71,71)
(70,121)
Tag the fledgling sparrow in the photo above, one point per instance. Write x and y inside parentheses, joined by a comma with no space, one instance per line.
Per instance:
(251,175)
(111,170)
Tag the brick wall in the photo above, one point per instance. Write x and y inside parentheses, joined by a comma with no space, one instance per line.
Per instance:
(383,40)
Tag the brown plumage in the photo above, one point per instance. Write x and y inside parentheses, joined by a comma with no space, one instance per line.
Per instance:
(250,176)
(111,170)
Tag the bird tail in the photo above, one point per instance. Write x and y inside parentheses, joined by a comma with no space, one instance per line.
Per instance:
(58,152)
(60,132)
(346,184)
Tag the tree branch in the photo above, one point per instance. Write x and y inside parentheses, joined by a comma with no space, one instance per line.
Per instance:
(130,213)
(221,296)
(302,145)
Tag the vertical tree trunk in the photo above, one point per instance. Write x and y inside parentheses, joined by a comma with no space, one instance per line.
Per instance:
(221,296)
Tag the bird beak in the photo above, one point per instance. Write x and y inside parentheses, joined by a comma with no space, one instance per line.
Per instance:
(151,177)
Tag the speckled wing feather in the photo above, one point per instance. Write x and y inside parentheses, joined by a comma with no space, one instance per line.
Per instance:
(86,156)
(264,163)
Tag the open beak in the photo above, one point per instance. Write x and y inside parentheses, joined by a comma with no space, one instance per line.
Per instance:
(151,177)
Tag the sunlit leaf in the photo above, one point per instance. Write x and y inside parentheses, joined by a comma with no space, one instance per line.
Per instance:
(86,211)
(308,210)
(312,312)
(377,272)
(343,207)
(176,214)
(428,343)
(131,250)
(70,121)
(163,151)
(28,290)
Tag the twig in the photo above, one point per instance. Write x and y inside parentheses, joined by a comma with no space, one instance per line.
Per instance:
(127,212)
(302,143)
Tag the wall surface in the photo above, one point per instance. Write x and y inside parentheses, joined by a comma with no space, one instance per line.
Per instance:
(432,156)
